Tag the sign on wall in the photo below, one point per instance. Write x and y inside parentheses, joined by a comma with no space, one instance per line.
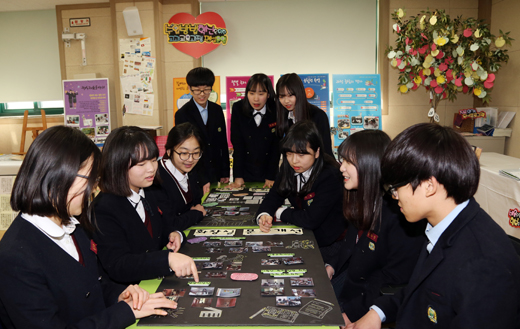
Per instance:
(196,36)
(87,107)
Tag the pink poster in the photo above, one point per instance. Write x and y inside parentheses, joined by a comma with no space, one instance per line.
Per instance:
(235,91)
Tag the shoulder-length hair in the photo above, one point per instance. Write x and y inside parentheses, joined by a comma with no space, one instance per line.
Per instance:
(178,135)
(49,170)
(124,148)
(262,82)
(291,83)
(364,150)
(301,135)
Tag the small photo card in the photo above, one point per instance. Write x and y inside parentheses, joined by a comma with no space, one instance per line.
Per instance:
(285,301)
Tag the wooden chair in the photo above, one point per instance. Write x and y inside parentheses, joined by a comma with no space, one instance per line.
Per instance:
(35,130)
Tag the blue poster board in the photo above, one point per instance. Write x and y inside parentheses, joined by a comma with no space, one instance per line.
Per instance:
(317,90)
(357,104)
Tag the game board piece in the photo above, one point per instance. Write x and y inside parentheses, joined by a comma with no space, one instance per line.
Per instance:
(244,276)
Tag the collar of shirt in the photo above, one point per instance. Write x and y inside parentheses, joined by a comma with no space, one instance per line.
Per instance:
(200,107)
(306,174)
(181,178)
(50,228)
(263,110)
(135,199)
(291,116)
(434,232)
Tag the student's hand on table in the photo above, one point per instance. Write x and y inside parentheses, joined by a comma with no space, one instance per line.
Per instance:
(330,272)
(224,180)
(370,320)
(174,241)
(239,182)
(153,306)
(182,265)
(265,222)
(205,188)
(200,208)
(347,321)
(268,183)
(134,296)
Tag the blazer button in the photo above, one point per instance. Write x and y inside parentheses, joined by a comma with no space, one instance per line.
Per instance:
(362,278)
(100,277)
(249,137)
(247,152)
(267,154)
(265,138)
(88,294)
(146,251)
(209,144)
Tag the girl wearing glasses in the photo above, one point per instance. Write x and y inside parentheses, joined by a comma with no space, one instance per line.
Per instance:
(49,273)
(292,106)
(132,226)
(312,183)
(179,180)
(380,247)
(256,153)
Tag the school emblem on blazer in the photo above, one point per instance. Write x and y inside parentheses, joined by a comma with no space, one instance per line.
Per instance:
(219,129)
(273,130)
(309,198)
(371,246)
(160,211)
(271,125)
(432,315)
(93,246)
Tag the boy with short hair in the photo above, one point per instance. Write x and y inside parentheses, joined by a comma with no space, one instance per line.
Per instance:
(209,119)
(467,275)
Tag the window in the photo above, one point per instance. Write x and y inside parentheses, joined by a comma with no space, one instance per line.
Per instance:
(18,108)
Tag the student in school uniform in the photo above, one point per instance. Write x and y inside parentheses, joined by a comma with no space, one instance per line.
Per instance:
(311,181)
(132,227)
(179,180)
(467,273)
(209,119)
(49,271)
(292,106)
(380,247)
(256,154)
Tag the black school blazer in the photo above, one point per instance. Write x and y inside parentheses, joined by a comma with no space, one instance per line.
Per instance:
(44,287)
(256,152)
(320,210)
(216,155)
(125,248)
(385,256)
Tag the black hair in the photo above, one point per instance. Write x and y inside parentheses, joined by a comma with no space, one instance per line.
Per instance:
(49,170)
(262,81)
(428,150)
(294,86)
(124,148)
(179,134)
(200,76)
(301,135)
(362,206)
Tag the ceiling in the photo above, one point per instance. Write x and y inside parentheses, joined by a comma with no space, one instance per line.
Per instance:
(23,5)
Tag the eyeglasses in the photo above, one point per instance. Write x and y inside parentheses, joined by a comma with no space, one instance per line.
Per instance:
(206,91)
(185,155)
(392,189)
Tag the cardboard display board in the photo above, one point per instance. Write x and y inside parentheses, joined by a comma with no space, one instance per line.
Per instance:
(317,305)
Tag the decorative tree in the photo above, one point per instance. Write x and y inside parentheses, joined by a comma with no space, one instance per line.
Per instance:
(446,56)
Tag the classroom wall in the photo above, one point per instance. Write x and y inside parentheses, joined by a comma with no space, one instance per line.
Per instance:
(405,110)
(505,94)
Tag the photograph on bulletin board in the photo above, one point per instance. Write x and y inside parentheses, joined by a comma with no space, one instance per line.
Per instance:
(86,107)
(317,90)
(182,95)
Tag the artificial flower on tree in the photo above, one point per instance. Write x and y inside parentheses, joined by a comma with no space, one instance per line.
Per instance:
(446,56)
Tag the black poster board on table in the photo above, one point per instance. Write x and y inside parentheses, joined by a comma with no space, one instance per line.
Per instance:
(251,308)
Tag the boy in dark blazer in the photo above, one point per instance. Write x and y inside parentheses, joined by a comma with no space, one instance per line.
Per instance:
(209,119)
(467,273)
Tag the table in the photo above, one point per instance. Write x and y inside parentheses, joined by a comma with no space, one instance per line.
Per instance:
(499,196)
(250,301)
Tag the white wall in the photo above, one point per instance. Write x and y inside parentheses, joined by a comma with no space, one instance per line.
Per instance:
(302,36)
(30,56)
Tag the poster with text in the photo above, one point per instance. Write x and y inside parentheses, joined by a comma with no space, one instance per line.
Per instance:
(87,107)
(317,90)
(182,95)
(357,104)
(235,91)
